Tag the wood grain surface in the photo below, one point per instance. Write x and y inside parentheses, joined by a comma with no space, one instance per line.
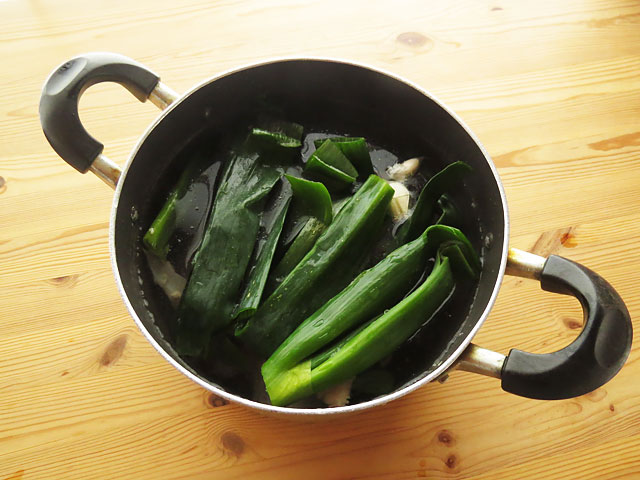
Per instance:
(552,89)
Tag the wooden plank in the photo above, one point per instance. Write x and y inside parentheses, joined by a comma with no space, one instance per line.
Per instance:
(553,92)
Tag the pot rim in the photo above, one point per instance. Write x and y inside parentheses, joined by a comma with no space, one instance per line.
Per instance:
(290,411)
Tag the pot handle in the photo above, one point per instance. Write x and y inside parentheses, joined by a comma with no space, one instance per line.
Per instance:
(59,106)
(589,362)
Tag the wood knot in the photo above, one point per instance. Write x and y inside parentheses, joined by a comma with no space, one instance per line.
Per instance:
(568,240)
(413,39)
(3,185)
(550,242)
(64,280)
(496,9)
(232,443)
(451,461)
(446,438)
(611,407)
(113,352)
(215,401)
(571,323)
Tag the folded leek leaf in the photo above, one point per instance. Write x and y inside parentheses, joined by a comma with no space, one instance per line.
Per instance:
(210,298)
(389,331)
(312,201)
(355,149)
(330,166)
(368,295)
(311,198)
(329,153)
(303,242)
(295,370)
(157,237)
(283,134)
(450,213)
(422,214)
(332,177)
(325,270)
(263,255)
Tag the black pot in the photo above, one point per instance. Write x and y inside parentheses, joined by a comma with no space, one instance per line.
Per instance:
(338,96)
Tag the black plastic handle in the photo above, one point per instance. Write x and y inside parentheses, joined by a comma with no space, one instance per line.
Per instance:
(62,90)
(593,358)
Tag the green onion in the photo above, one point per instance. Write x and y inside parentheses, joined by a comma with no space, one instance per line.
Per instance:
(300,246)
(355,149)
(157,237)
(450,214)
(368,295)
(311,199)
(259,271)
(440,183)
(389,331)
(313,372)
(328,267)
(210,299)
(329,165)
(283,134)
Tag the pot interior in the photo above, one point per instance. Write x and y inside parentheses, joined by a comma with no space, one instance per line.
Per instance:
(324,96)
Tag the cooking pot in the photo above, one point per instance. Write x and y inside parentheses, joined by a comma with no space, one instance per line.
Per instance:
(338,96)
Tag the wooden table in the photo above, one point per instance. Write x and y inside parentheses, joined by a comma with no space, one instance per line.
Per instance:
(551,89)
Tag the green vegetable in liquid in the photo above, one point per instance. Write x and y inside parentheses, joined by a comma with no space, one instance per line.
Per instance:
(389,331)
(314,313)
(303,242)
(450,214)
(209,302)
(260,270)
(324,271)
(329,165)
(355,149)
(283,134)
(157,237)
(368,295)
(439,184)
(374,382)
(313,200)
(295,371)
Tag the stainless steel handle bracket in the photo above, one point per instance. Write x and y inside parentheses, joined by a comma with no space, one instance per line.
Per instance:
(525,264)
(476,359)
(162,96)
(107,170)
